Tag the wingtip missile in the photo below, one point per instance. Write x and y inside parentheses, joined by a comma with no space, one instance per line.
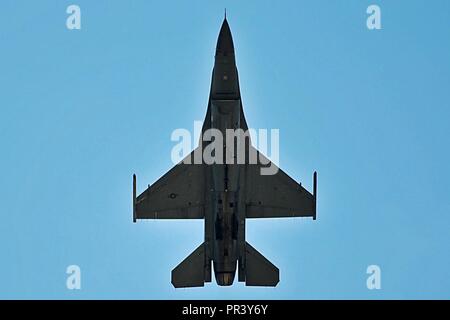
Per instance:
(315,194)
(134,198)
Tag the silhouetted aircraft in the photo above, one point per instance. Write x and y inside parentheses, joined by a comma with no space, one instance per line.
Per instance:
(224,194)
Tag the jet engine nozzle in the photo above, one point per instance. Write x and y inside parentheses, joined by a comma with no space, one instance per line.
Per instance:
(225,278)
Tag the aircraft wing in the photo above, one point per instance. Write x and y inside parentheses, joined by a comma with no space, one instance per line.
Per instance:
(179,194)
(277,196)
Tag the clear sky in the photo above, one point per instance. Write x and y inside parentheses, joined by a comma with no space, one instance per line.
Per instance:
(82,110)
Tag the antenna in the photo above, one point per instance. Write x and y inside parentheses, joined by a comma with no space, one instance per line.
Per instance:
(225,13)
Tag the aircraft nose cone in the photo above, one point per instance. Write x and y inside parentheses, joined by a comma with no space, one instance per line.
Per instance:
(224,278)
(225,41)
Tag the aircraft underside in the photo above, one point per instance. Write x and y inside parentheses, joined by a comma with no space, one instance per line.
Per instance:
(224,194)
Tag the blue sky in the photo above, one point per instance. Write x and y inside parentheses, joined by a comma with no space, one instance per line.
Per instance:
(82,110)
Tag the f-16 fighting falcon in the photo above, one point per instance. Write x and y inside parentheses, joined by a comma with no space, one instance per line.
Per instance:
(224,194)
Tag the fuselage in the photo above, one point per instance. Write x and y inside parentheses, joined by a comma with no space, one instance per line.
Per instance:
(225,113)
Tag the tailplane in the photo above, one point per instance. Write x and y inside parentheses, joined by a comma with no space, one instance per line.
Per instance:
(191,271)
(258,270)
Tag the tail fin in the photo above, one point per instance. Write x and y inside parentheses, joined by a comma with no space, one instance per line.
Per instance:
(191,271)
(258,270)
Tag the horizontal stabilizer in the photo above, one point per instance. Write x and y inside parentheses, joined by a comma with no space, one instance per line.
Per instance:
(191,271)
(259,271)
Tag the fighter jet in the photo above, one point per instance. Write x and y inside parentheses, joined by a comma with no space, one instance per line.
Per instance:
(224,194)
